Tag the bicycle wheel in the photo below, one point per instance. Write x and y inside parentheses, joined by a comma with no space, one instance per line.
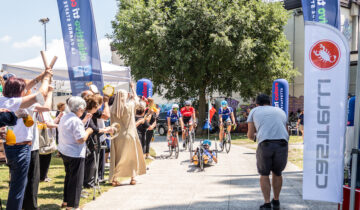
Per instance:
(221,148)
(191,149)
(186,142)
(201,160)
(176,148)
(170,146)
(228,143)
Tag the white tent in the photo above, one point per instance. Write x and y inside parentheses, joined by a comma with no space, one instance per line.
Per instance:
(116,75)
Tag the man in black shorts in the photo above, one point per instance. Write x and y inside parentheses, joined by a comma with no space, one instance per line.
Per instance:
(269,124)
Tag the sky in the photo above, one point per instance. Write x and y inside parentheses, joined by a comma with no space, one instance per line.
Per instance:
(22,35)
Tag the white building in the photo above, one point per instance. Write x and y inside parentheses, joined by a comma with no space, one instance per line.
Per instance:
(294,32)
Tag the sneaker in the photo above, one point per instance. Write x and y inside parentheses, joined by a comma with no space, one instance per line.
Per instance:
(47,180)
(275,204)
(149,157)
(265,206)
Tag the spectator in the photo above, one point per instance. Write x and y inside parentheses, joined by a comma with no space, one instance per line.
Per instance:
(300,123)
(18,154)
(150,131)
(93,105)
(142,124)
(47,142)
(72,138)
(126,154)
(32,187)
(60,112)
(269,124)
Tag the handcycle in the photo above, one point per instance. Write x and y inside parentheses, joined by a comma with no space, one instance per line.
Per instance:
(226,143)
(173,141)
(203,154)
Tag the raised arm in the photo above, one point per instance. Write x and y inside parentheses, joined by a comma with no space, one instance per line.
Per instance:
(106,112)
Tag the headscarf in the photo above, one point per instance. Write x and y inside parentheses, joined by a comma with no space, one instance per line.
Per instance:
(119,106)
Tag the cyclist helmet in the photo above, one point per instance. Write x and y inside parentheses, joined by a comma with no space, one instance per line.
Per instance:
(207,142)
(175,106)
(224,103)
(187,103)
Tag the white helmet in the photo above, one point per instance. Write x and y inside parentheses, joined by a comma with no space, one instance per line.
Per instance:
(175,106)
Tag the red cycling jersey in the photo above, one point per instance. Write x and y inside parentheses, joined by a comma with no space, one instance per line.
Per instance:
(187,113)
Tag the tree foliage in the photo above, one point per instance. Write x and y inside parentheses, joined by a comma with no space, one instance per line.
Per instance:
(190,48)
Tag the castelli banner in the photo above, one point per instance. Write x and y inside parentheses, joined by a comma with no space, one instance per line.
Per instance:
(280,95)
(322,11)
(81,45)
(325,102)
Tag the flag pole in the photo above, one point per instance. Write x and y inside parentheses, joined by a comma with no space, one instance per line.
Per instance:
(355,149)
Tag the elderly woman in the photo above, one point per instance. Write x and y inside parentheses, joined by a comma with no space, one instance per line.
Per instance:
(72,138)
(126,159)
(18,152)
(93,105)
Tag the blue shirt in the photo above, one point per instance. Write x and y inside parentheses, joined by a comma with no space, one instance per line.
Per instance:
(225,113)
(174,117)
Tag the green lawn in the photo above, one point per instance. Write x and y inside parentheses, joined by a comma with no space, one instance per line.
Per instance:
(51,193)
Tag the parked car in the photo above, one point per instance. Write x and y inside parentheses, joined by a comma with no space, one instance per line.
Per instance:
(162,127)
(162,124)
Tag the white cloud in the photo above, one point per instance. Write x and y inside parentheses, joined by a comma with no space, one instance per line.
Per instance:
(5,38)
(34,41)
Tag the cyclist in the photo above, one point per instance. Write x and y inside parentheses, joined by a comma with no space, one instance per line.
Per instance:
(188,115)
(226,115)
(173,118)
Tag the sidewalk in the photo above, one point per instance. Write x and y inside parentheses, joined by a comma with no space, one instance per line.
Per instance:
(176,184)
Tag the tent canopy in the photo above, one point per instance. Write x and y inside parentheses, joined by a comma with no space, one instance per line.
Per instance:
(33,67)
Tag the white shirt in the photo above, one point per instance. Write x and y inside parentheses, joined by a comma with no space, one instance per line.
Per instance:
(70,130)
(23,133)
(12,104)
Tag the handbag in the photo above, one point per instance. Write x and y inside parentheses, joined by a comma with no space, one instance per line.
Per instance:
(47,144)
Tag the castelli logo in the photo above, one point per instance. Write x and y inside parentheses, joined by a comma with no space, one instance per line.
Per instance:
(325,54)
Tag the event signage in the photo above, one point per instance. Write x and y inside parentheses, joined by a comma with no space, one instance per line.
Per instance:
(325,102)
(144,87)
(280,95)
(81,45)
(322,11)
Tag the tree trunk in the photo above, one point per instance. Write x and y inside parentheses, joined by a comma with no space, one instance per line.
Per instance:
(202,110)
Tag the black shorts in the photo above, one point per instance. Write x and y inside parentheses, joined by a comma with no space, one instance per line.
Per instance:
(271,155)
(174,125)
(186,120)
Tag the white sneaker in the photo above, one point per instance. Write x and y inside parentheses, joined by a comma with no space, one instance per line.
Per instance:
(149,157)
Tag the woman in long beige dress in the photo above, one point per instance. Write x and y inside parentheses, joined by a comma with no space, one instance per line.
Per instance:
(127,159)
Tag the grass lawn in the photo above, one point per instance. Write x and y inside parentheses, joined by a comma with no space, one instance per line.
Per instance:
(51,193)
(295,146)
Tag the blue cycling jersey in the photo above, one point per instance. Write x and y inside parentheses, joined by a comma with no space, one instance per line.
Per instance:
(174,117)
(225,113)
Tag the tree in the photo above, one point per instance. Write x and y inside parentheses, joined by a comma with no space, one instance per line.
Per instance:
(192,48)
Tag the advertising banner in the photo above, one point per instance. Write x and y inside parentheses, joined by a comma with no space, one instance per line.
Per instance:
(325,103)
(322,11)
(81,45)
(144,87)
(280,95)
